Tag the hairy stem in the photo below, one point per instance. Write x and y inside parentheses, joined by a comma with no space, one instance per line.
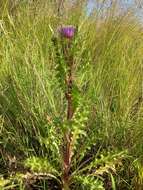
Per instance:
(67,136)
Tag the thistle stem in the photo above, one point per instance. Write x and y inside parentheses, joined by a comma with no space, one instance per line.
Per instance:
(67,136)
(65,186)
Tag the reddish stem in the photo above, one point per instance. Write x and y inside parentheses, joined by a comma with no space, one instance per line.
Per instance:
(67,136)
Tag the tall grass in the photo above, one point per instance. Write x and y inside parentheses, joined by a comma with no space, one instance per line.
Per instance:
(108,72)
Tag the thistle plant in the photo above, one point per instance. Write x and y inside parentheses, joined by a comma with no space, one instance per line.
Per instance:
(67,33)
(76,114)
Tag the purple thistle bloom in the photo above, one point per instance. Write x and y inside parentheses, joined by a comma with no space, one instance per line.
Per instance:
(67,31)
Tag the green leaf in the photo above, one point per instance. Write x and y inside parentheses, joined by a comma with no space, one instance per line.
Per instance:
(113,182)
(76,96)
(89,182)
(37,164)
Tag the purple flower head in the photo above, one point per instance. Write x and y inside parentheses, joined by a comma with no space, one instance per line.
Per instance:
(67,31)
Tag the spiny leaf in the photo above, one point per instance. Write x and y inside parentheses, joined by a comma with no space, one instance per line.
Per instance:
(40,165)
(89,182)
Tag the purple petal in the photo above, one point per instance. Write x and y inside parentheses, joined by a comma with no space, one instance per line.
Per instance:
(67,32)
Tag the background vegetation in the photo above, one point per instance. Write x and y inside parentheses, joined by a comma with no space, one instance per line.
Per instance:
(108,55)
